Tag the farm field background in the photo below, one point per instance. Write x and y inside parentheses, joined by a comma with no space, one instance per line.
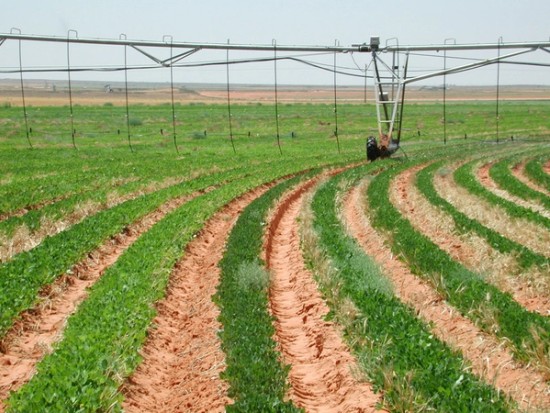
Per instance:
(147,270)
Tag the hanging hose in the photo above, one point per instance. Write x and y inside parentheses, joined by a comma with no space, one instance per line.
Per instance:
(172,94)
(126,95)
(276,98)
(229,102)
(23,94)
(335,104)
(70,87)
(498,87)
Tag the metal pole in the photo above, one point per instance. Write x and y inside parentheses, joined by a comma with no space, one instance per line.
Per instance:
(405,69)
(364,47)
(445,90)
(445,97)
(365,90)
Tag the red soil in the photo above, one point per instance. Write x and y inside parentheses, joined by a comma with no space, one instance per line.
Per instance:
(33,335)
(485,178)
(488,357)
(182,356)
(470,255)
(321,364)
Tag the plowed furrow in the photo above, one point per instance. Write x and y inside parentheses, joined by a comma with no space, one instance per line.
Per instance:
(34,334)
(485,178)
(489,359)
(471,251)
(521,231)
(518,170)
(182,355)
(321,364)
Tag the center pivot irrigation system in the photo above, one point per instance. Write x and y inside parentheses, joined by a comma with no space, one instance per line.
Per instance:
(390,77)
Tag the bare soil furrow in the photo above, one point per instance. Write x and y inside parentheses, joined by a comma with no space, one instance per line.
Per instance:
(38,329)
(470,250)
(488,357)
(518,170)
(521,231)
(486,180)
(321,364)
(183,358)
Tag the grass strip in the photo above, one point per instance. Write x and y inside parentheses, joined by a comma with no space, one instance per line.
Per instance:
(258,381)
(493,310)
(525,257)
(503,177)
(464,176)
(401,353)
(102,339)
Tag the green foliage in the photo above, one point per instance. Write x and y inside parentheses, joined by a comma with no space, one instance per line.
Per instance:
(256,377)
(534,170)
(135,122)
(464,289)
(22,278)
(102,339)
(502,175)
(464,177)
(252,276)
(402,356)
(525,256)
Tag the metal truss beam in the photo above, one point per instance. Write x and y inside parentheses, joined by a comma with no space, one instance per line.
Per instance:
(364,47)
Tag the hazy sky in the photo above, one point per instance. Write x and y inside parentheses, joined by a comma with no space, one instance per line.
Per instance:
(290,22)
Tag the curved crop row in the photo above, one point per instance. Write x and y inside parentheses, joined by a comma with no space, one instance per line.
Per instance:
(102,339)
(464,176)
(398,349)
(534,170)
(492,309)
(526,257)
(258,381)
(22,278)
(502,175)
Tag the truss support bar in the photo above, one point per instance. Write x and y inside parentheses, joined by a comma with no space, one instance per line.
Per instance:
(467,67)
(364,47)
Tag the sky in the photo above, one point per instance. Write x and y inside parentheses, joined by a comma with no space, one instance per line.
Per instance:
(288,22)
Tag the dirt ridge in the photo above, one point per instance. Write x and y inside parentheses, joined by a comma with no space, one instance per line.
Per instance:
(488,357)
(320,363)
(37,329)
(183,358)
(471,251)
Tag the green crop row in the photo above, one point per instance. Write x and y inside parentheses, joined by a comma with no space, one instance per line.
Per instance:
(258,381)
(23,276)
(464,176)
(503,177)
(534,170)
(102,339)
(464,224)
(400,348)
(490,308)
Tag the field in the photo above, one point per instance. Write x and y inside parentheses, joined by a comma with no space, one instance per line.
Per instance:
(183,260)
